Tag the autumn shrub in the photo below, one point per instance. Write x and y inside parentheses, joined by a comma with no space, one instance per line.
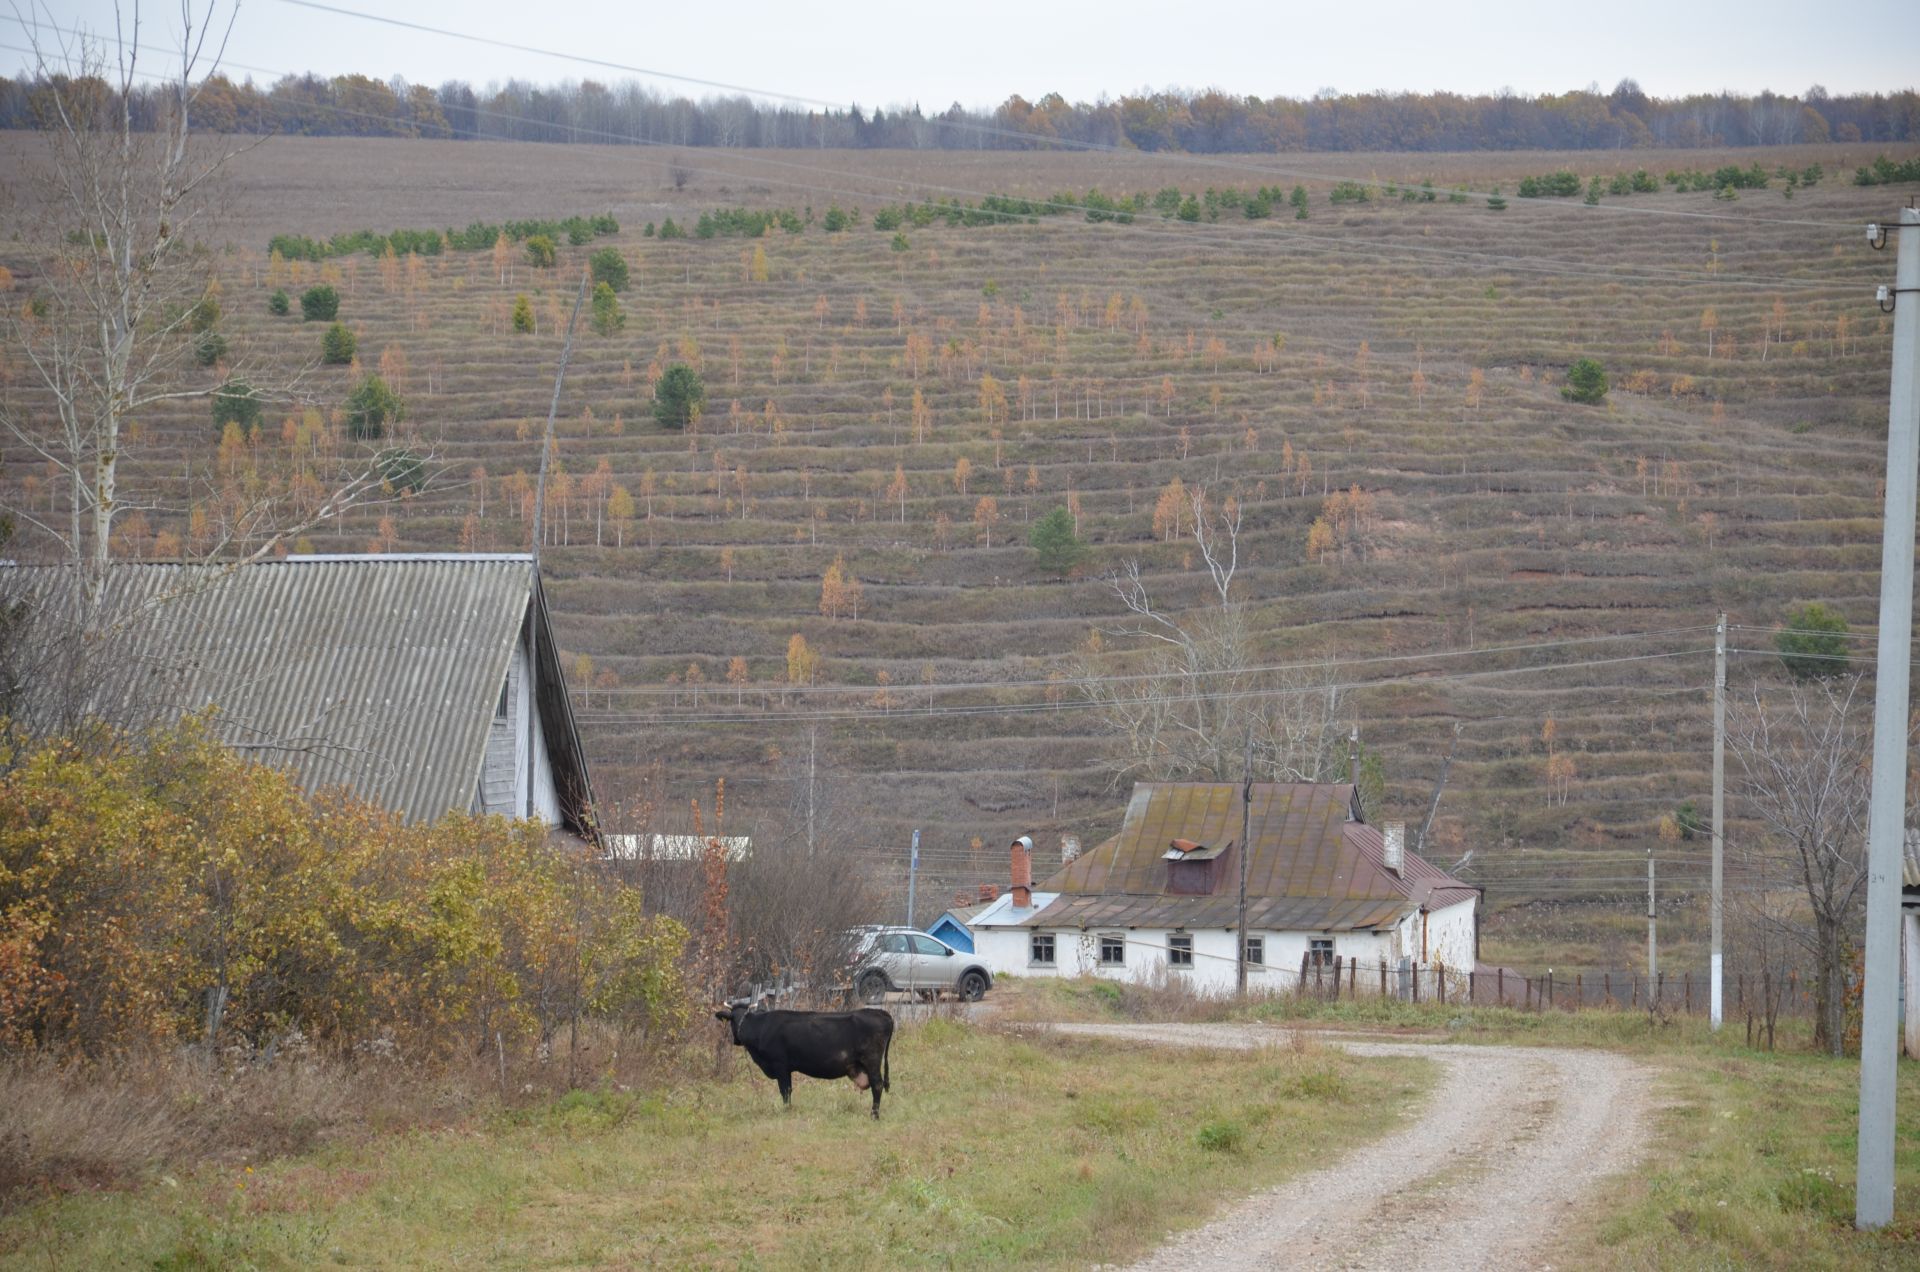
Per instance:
(159,890)
(541,251)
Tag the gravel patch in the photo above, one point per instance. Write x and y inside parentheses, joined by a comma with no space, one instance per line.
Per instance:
(1511,1141)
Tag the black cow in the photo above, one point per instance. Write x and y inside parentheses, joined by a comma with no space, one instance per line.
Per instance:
(819,1044)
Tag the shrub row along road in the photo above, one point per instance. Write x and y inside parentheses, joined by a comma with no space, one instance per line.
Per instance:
(1511,1142)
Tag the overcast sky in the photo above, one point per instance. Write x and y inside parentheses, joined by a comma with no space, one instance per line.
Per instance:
(978,52)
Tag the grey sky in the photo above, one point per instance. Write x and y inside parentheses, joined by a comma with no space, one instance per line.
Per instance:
(977,53)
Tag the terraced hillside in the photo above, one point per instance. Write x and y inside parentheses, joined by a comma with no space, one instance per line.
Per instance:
(1411,351)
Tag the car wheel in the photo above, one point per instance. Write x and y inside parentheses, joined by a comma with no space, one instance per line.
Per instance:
(872,987)
(973,985)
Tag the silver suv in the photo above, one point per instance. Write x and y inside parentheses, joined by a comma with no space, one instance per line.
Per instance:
(887,958)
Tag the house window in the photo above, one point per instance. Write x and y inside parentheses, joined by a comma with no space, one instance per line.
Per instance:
(1040,949)
(1113,951)
(1320,951)
(500,707)
(1256,951)
(1180,951)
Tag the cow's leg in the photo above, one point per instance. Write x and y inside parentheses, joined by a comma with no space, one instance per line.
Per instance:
(876,1101)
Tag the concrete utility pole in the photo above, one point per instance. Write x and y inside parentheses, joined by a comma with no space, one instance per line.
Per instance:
(1246,828)
(1887,813)
(913,870)
(1719,811)
(1653,945)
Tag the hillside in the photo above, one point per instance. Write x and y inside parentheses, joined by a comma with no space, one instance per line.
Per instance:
(1425,347)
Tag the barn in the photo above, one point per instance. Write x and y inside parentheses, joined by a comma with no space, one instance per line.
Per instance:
(1161,897)
(427,683)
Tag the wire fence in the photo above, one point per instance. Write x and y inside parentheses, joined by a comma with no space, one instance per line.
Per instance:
(1683,993)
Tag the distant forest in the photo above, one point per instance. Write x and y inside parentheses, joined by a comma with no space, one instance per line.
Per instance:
(1200,122)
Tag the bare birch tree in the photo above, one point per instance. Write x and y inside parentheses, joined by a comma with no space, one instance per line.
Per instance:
(1805,769)
(1185,695)
(121,269)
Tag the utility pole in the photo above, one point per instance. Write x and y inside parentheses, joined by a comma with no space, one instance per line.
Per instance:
(1653,944)
(1246,827)
(913,869)
(1719,810)
(1886,820)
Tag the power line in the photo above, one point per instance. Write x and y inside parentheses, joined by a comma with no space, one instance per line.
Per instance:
(1070,682)
(1557,266)
(909,713)
(962,125)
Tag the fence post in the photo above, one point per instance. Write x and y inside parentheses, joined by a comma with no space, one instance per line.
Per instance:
(1633,990)
(1550,1000)
(1686,984)
(1500,993)
(1579,992)
(1353,976)
(1657,992)
(1441,972)
(1383,978)
(1607,987)
(1414,968)
(1529,995)
(1473,984)
(1303,973)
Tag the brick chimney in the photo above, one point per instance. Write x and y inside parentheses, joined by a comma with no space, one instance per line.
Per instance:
(988,892)
(1023,873)
(961,898)
(1393,837)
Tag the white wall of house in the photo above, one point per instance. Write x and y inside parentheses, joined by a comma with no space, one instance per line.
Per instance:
(1450,935)
(504,776)
(1008,950)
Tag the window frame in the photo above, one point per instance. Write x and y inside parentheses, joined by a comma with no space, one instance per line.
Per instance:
(1033,950)
(1118,941)
(1320,952)
(1255,951)
(1180,954)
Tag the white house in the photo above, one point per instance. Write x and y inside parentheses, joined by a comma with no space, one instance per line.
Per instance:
(1322,885)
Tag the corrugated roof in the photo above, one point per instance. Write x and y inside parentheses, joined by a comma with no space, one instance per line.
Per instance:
(379,673)
(1313,864)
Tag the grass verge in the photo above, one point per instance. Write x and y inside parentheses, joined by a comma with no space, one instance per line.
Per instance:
(991,1149)
(1753,1167)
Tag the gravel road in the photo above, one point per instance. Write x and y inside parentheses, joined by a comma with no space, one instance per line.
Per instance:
(1511,1141)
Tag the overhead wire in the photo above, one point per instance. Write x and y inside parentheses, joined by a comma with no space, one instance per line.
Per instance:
(1312,664)
(996,709)
(1028,139)
(1262,237)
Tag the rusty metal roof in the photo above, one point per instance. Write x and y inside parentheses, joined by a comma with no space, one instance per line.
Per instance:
(379,673)
(1314,864)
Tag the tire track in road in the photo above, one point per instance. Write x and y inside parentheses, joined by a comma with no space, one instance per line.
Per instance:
(1510,1143)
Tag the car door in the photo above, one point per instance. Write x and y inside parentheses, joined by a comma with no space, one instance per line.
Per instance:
(894,953)
(934,965)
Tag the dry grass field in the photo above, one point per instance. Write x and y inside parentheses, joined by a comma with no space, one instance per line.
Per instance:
(1425,345)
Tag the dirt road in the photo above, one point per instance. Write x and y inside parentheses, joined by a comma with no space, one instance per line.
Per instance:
(1511,1141)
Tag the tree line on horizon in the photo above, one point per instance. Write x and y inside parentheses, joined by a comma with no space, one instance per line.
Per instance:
(1198,122)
